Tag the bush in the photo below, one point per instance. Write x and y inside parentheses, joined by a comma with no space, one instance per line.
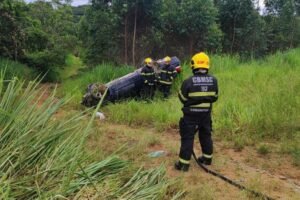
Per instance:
(47,62)
(16,69)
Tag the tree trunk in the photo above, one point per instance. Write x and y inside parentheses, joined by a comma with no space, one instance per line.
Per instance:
(191,48)
(233,35)
(15,46)
(292,33)
(134,34)
(125,40)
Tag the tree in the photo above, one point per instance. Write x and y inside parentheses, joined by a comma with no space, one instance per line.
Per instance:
(137,19)
(12,35)
(98,32)
(243,27)
(283,24)
(50,35)
(191,23)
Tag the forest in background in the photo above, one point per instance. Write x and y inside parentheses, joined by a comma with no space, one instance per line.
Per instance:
(42,34)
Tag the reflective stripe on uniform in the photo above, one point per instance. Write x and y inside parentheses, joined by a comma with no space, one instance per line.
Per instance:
(184,161)
(147,74)
(207,156)
(167,72)
(181,96)
(166,82)
(202,94)
(201,105)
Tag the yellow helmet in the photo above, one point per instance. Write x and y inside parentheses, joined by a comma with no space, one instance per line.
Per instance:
(167,60)
(200,60)
(148,61)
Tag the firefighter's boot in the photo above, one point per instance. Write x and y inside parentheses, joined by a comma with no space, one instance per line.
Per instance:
(181,166)
(204,160)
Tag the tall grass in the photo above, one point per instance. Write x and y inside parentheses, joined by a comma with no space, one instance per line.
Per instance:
(42,154)
(260,97)
(17,69)
(103,73)
(257,99)
(71,68)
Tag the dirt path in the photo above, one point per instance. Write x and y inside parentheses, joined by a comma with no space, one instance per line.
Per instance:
(271,174)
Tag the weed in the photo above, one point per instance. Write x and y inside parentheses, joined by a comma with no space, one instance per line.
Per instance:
(238,143)
(296,157)
(263,149)
(153,140)
(15,69)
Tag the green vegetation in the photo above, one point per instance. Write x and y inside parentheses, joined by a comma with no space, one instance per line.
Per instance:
(257,100)
(263,149)
(103,73)
(16,69)
(71,68)
(44,149)
(42,154)
(43,33)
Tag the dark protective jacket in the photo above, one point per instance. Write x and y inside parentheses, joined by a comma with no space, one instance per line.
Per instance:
(197,94)
(148,75)
(167,74)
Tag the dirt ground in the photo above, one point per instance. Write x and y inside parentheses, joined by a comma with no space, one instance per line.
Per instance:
(271,174)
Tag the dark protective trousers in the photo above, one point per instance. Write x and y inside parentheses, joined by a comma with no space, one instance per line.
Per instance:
(148,91)
(188,128)
(165,89)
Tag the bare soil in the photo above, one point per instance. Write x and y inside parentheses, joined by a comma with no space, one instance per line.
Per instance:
(272,174)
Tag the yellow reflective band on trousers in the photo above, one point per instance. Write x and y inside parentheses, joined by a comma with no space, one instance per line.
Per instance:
(207,156)
(202,94)
(182,97)
(166,82)
(201,105)
(184,161)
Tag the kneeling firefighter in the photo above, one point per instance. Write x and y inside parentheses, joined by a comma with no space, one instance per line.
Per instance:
(197,94)
(149,78)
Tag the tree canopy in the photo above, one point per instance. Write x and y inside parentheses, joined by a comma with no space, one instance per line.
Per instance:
(42,33)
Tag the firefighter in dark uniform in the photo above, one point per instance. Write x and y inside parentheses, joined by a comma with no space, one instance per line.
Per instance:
(166,77)
(148,74)
(197,95)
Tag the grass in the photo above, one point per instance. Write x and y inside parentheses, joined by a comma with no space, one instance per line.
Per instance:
(16,69)
(257,100)
(42,154)
(103,73)
(263,149)
(72,67)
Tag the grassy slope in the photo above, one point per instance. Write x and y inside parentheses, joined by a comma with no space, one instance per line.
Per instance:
(12,68)
(258,100)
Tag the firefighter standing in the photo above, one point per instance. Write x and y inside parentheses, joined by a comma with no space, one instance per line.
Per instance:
(166,76)
(197,95)
(148,74)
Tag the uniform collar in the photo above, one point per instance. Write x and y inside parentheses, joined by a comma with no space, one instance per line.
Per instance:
(200,72)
